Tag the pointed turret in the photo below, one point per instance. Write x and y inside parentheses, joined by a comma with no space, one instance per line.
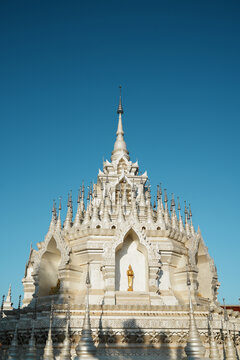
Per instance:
(68,220)
(230,348)
(78,217)
(87,215)
(13,350)
(166,212)
(31,353)
(187,229)
(160,213)
(194,348)
(174,220)
(66,351)
(48,350)
(120,217)
(214,352)
(86,348)
(120,147)
(180,221)
(54,217)
(59,224)
(8,302)
(150,221)
(106,218)
(191,223)
(95,218)
(134,204)
(229,345)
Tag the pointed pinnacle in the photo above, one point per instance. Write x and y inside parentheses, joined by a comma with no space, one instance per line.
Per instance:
(88,276)
(179,207)
(60,203)
(165,196)
(190,211)
(120,109)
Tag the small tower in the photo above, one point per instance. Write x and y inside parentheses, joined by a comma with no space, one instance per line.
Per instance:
(86,349)
(194,348)
(31,353)
(7,305)
(214,352)
(13,350)
(66,351)
(48,350)
(229,345)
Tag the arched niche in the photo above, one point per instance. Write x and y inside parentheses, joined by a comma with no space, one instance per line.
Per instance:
(48,269)
(131,252)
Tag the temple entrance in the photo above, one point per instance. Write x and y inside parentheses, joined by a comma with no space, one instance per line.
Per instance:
(131,252)
(48,272)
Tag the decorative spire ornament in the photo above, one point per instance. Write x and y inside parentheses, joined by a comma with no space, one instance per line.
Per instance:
(134,204)
(194,348)
(68,220)
(229,345)
(59,224)
(77,221)
(120,147)
(120,217)
(95,218)
(166,212)
(150,221)
(174,220)
(8,302)
(86,348)
(66,351)
(13,350)
(214,352)
(105,217)
(181,226)
(160,213)
(48,350)
(54,217)
(31,353)
(186,220)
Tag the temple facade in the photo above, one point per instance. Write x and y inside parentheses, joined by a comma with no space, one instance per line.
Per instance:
(138,254)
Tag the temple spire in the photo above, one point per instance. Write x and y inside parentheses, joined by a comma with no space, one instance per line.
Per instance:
(13,353)
(8,302)
(66,351)
(31,353)
(86,348)
(120,147)
(48,350)
(59,225)
(213,348)
(194,348)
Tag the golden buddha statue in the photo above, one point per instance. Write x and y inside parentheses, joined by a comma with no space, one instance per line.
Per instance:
(130,275)
(55,289)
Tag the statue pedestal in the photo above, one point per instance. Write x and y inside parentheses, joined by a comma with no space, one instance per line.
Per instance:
(132,298)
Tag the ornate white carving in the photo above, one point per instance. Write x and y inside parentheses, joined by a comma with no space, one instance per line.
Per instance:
(61,246)
(121,232)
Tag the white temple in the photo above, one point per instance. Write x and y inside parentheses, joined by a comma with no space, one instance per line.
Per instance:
(139,257)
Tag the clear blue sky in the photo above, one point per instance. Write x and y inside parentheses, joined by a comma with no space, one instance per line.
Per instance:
(60,66)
